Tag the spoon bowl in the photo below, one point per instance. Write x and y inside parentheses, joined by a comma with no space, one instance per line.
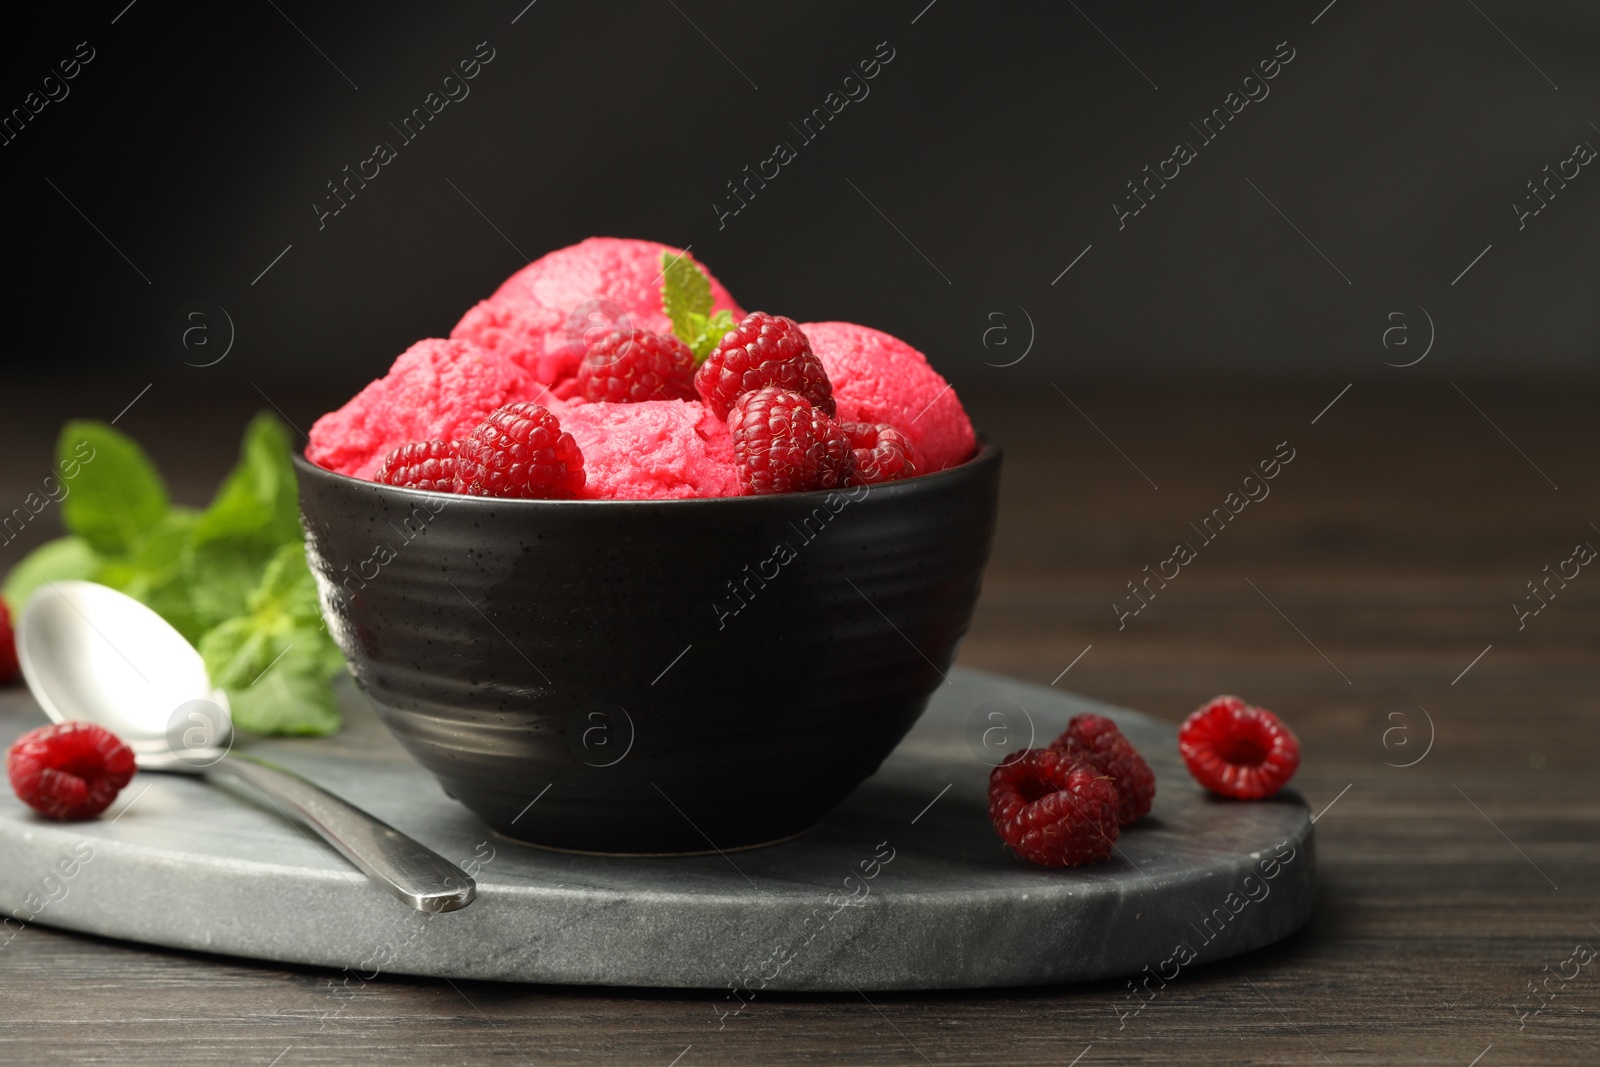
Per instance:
(92,654)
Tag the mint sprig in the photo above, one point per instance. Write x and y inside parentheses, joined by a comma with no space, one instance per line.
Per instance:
(686,300)
(231,578)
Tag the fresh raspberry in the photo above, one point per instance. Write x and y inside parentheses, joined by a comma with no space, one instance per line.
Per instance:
(763,350)
(784,445)
(69,770)
(520,451)
(631,366)
(1053,808)
(421,465)
(1096,740)
(8,646)
(882,452)
(1238,751)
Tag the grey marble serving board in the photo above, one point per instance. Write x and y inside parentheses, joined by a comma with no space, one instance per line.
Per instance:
(181,863)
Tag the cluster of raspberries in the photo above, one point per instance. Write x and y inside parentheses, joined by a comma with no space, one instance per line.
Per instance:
(1063,806)
(773,390)
(762,377)
(520,450)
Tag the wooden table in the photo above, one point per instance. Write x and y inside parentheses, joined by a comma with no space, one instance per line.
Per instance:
(1368,598)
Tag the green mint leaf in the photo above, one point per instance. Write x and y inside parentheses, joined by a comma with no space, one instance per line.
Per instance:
(288,588)
(117,494)
(275,677)
(220,578)
(254,514)
(685,296)
(156,572)
(259,498)
(275,661)
(711,334)
(61,560)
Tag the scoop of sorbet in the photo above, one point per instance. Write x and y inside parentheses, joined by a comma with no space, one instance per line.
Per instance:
(541,315)
(436,391)
(879,378)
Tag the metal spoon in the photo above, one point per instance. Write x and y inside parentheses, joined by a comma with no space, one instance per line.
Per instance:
(91,653)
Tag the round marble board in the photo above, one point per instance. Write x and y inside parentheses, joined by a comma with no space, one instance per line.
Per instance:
(904,886)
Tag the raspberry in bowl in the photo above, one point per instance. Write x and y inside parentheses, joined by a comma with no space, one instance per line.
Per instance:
(673,630)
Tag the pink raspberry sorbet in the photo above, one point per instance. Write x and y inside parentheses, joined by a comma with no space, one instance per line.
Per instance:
(525,342)
(436,391)
(879,378)
(538,316)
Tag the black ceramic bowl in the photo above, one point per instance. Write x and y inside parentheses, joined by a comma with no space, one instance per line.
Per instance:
(651,676)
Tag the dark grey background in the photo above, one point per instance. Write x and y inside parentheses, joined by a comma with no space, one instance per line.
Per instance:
(991,149)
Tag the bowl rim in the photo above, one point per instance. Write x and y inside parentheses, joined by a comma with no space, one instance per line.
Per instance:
(988,455)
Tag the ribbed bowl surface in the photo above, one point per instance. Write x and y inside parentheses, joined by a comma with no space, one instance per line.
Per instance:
(651,676)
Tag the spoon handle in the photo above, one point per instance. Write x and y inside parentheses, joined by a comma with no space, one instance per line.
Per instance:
(411,871)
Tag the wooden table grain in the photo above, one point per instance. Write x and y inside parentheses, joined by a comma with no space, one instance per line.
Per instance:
(1450,747)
